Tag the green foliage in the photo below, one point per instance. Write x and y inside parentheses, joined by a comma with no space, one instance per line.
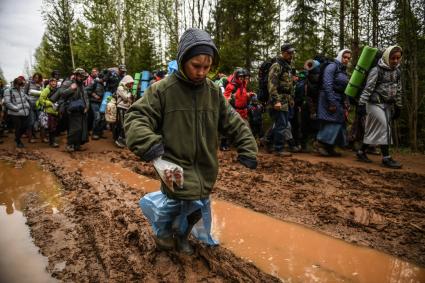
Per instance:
(303,29)
(244,31)
(144,35)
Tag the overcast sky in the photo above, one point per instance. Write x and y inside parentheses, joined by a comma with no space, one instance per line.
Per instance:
(21,29)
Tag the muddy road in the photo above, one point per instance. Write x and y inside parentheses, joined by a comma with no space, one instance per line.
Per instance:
(100,235)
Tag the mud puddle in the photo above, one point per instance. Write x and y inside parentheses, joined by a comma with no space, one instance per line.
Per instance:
(297,254)
(288,251)
(20,260)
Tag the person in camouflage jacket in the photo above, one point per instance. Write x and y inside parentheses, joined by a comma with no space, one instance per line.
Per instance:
(280,87)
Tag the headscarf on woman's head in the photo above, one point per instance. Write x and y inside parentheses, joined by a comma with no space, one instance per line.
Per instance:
(341,53)
(388,52)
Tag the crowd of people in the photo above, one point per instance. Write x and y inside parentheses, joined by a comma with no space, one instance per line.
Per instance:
(308,109)
(183,118)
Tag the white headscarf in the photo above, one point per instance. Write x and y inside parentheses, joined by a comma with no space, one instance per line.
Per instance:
(340,53)
(386,56)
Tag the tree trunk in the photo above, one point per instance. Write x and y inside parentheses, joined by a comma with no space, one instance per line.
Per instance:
(375,23)
(355,44)
(341,24)
(410,39)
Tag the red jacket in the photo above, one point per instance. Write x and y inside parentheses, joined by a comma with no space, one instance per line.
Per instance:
(237,95)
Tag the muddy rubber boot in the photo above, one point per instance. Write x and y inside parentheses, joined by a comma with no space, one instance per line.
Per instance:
(333,153)
(19,144)
(52,140)
(390,163)
(282,153)
(362,157)
(164,243)
(182,241)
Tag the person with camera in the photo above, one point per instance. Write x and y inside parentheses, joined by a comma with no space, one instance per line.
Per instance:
(77,106)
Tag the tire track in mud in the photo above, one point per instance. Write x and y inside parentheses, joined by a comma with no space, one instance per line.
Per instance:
(100,235)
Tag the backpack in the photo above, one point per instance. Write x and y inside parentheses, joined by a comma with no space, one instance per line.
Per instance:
(263,79)
(380,72)
(323,66)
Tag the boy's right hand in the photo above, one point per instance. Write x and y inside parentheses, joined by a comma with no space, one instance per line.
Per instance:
(169,173)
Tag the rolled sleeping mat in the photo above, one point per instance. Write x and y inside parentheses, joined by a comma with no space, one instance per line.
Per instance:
(146,76)
(361,70)
(136,83)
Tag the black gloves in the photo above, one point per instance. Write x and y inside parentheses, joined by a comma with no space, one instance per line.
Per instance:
(361,110)
(250,163)
(396,113)
(154,152)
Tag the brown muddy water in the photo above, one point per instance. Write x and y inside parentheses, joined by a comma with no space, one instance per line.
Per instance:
(20,260)
(297,254)
(288,251)
(285,250)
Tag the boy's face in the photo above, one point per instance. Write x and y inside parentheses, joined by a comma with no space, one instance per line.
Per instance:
(198,67)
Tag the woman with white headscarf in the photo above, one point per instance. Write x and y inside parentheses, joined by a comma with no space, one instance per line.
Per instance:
(333,105)
(380,101)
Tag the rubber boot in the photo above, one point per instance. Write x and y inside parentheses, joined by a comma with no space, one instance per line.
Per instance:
(52,140)
(43,135)
(182,241)
(164,243)
(390,163)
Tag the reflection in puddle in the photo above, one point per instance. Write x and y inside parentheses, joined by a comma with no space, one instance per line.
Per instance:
(98,168)
(297,254)
(20,260)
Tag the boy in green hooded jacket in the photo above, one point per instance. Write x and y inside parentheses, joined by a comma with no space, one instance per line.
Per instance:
(179,120)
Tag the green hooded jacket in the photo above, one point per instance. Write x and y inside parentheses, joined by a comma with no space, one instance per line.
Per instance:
(182,121)
(44,102)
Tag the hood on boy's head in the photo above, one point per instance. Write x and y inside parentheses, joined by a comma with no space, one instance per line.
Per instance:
(195,37)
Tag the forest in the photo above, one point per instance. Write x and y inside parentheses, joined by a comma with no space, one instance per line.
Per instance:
(144,35)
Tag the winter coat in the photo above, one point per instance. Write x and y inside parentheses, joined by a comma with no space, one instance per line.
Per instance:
(69,94)
(33,90)
(17,103)
(95,88)
(237,95)
(182,120)
(335,79)
(383,85)
(280,84)
(124,95)
(45,103)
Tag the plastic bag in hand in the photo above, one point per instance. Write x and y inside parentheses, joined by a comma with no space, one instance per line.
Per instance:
(169,173)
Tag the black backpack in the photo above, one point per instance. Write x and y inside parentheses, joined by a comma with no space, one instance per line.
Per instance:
(263,78)
(323,66)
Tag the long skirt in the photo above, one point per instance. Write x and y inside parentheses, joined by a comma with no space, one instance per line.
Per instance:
(77,129)
(332,133)
(377,124)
